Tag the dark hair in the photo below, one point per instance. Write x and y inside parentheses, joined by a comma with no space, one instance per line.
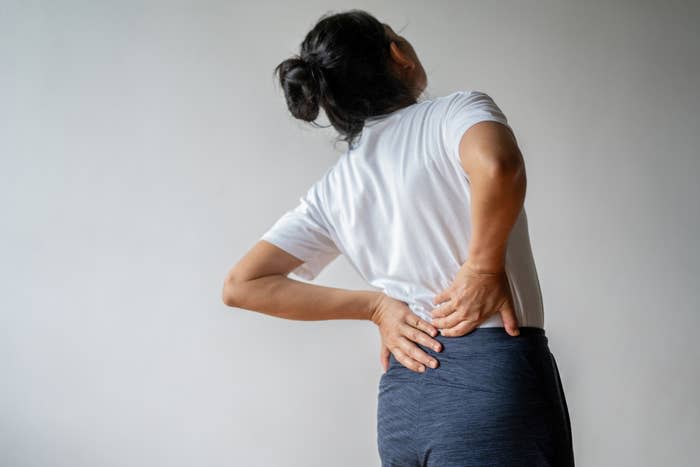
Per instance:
(343,67)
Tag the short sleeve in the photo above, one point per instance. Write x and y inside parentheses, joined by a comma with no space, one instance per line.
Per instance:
(304,233)
(465,109)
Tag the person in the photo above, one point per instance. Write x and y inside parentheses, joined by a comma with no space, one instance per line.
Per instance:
(427,205)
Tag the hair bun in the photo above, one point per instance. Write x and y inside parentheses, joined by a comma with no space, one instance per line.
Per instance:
(301,81)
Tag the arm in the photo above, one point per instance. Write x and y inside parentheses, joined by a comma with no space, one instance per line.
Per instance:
(490,156)
(259,282)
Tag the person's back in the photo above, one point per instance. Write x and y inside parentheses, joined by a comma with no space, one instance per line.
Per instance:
(397,205)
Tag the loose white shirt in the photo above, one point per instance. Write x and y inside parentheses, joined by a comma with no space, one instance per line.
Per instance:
(397,206)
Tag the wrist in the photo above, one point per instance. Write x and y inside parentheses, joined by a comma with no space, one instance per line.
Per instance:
(486,257)
(484,267)
(374,305)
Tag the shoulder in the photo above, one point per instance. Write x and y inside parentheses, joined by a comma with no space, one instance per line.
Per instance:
(464,101)
(471,105)
(470,97)
(325,189)
(464,109)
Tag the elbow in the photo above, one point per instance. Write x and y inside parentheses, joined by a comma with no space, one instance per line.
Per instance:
(227,296)
(230,293)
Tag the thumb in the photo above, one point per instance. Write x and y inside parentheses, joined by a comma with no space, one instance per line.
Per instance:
(384,357)
(510,320)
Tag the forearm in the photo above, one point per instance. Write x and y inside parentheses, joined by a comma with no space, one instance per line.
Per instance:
(282,297)
(497,197)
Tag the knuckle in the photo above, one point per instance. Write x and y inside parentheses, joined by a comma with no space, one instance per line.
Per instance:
(419,357)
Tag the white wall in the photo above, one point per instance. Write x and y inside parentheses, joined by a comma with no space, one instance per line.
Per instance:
(144,147)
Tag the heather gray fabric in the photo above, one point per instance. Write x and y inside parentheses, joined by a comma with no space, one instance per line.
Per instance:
(494,400)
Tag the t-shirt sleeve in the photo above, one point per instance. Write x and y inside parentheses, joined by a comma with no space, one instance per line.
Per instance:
(464,110)
(304,232)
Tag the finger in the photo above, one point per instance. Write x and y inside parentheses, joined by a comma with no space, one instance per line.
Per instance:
(510,320)
(416,335)
(455,317)
(443,310)
(384,357)
(419,323)
(412,350)
(442,296)
(407,361)
(462,328)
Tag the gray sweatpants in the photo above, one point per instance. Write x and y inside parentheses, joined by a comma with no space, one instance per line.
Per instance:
(493,400)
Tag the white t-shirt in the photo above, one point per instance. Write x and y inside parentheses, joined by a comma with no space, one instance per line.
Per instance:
(397,205)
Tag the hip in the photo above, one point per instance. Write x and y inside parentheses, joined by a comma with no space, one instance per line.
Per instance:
(487,355)
(492,397)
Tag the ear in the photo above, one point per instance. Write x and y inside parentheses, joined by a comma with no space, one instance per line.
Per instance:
(400,57)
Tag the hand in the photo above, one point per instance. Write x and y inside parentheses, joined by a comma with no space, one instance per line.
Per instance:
(472,298)
(400,328)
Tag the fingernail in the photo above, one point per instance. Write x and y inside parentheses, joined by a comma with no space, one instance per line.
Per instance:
(421,369)
(433,364)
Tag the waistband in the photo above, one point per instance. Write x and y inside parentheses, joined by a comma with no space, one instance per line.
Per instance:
(524,330)
(495,335)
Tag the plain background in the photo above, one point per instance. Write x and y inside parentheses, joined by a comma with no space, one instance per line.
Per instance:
(145,148)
